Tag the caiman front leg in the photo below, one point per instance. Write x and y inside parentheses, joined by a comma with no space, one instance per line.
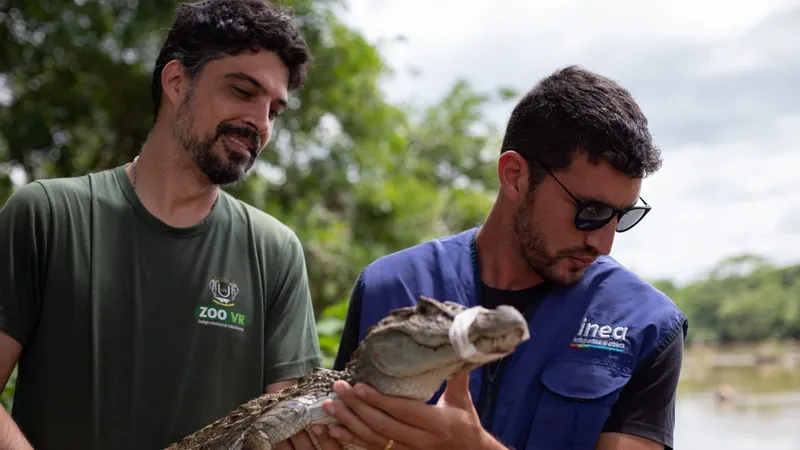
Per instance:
(286,419)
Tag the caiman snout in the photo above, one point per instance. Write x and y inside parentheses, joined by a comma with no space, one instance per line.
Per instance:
(499,321)
(480,335)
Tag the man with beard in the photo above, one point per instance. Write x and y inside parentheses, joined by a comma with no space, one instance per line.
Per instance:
(143,302)
(602,364)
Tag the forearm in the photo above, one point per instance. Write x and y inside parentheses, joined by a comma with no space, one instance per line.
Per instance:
(11,438)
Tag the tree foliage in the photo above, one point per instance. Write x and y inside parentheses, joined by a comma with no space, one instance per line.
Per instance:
(743,299)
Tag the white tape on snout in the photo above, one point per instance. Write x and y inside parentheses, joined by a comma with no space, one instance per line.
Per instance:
(459,333)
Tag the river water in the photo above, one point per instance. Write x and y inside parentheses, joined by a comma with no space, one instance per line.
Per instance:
(764,413)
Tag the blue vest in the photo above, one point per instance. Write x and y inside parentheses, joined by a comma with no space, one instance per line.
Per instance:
(586,339)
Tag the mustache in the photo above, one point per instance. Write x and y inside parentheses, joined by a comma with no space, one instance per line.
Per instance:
(233,130)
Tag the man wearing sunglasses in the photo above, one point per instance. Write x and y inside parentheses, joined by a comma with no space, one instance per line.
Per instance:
(602,365)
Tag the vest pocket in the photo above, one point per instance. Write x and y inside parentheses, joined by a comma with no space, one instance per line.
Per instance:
(577,396)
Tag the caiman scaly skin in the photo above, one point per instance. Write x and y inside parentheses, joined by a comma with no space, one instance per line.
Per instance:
(408,354)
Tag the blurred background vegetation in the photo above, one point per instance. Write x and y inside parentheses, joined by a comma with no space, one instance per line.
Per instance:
(356,176)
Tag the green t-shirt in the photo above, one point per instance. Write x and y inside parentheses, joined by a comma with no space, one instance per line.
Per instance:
(135,333)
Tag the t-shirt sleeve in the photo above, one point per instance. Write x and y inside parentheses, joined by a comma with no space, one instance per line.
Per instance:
(349,340)
(646,406)
(291,342)
(24,220)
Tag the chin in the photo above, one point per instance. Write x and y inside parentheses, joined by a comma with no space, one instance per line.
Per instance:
(572,276)
(564,273)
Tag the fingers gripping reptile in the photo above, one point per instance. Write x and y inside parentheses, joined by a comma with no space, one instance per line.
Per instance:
(409,353)
(293,415)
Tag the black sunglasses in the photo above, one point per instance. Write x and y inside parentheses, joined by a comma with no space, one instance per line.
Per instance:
(593,215)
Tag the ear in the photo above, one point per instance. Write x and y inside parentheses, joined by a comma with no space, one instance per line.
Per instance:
(512,171)
(174,81)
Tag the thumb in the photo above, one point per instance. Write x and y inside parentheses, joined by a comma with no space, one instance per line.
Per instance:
(456,392)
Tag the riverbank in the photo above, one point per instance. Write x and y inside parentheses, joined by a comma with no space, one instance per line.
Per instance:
(739,396)
(769,353)
(752,375)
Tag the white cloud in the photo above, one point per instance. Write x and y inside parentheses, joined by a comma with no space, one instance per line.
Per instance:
(718,82)
(516,36)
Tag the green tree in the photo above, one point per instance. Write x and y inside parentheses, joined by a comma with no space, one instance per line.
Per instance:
(743,299)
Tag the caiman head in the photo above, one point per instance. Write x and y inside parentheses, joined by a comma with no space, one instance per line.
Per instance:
(414,349)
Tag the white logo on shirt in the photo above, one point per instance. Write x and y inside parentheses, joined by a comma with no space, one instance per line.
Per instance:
(600,337)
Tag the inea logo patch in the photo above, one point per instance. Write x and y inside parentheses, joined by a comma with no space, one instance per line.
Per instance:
(600,337)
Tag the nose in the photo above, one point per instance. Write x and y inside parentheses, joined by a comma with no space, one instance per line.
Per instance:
(261,125)
(258,120)
(602,240)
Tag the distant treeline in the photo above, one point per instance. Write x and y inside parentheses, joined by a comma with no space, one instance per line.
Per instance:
(743,299)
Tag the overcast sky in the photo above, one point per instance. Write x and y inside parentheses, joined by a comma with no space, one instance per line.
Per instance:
(719,84)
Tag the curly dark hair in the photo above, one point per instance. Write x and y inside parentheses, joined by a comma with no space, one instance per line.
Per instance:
(575,109)
(207,30)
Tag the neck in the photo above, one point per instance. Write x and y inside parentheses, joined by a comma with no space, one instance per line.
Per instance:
(168,183)
(502,265)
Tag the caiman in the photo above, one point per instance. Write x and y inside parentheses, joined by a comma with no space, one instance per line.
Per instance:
(409,353)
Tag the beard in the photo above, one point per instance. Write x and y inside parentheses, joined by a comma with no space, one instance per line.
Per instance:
(534,248)
(220,170)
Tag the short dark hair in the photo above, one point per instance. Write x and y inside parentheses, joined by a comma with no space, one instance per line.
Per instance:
(207,30)
(575,109)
